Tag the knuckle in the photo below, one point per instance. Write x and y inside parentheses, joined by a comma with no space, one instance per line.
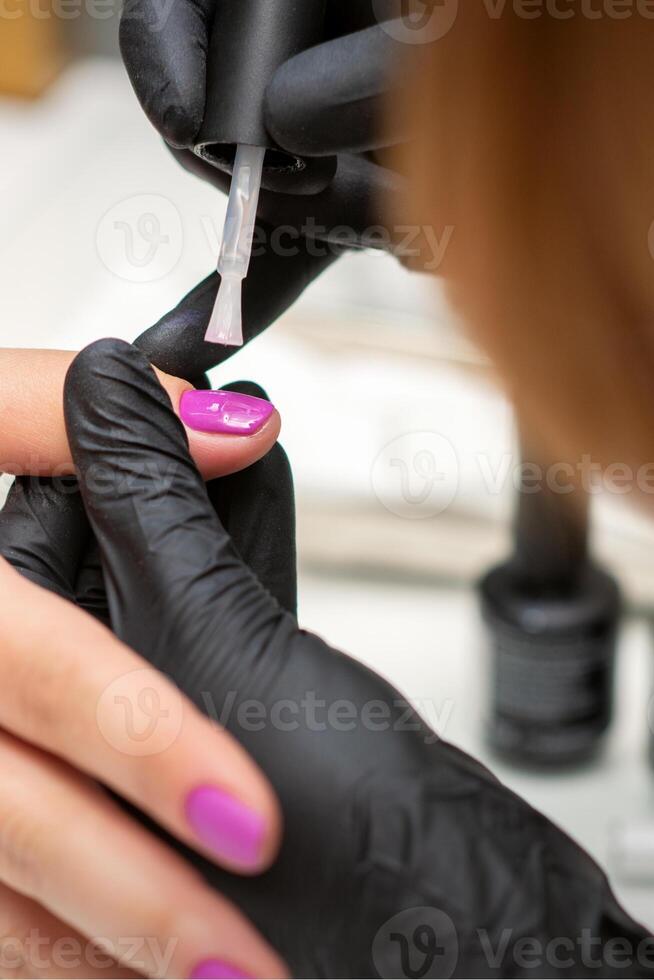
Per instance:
(22,851)
(150,776)
(27,835)
(43,704)
(164,923)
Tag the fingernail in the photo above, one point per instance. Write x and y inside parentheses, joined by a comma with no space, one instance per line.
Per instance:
(226,826)
(224,411)
(217,969)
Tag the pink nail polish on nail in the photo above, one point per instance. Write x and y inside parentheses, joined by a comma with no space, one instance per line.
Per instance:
(224,411)
(226,826)
(212,969)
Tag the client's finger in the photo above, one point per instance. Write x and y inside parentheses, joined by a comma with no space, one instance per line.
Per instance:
(81,695)
(225,435)
(36,944)
(67,846)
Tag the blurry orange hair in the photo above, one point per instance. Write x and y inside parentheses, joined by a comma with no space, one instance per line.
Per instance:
(536,143)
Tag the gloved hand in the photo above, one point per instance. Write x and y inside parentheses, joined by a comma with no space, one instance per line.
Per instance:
(328,100)
(401,855)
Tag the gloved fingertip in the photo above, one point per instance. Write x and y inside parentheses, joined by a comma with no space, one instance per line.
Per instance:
(176,344)
(280,114)
(170,90)
(179,126)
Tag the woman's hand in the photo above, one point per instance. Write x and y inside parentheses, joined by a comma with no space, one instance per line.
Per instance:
(389,833)
(86,890)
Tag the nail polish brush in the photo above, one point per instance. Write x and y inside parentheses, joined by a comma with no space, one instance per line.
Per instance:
(226,324)
(250,39)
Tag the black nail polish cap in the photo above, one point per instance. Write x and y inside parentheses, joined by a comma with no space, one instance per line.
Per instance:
(250,39)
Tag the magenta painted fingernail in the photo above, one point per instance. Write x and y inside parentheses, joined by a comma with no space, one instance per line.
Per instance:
(224,411)
(226,826)
(209,969)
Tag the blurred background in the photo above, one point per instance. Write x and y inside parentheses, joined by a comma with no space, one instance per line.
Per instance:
(406,472)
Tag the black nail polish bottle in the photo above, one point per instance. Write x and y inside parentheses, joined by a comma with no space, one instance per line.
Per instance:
(552,615)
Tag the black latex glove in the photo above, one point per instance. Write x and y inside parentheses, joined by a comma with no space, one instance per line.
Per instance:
(328,100)
(401,855)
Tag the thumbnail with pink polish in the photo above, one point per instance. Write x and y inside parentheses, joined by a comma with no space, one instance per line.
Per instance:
(224,412)
(226,826)
(217,970)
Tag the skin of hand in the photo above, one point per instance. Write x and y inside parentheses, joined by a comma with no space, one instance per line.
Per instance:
(384,823)
(68,736)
